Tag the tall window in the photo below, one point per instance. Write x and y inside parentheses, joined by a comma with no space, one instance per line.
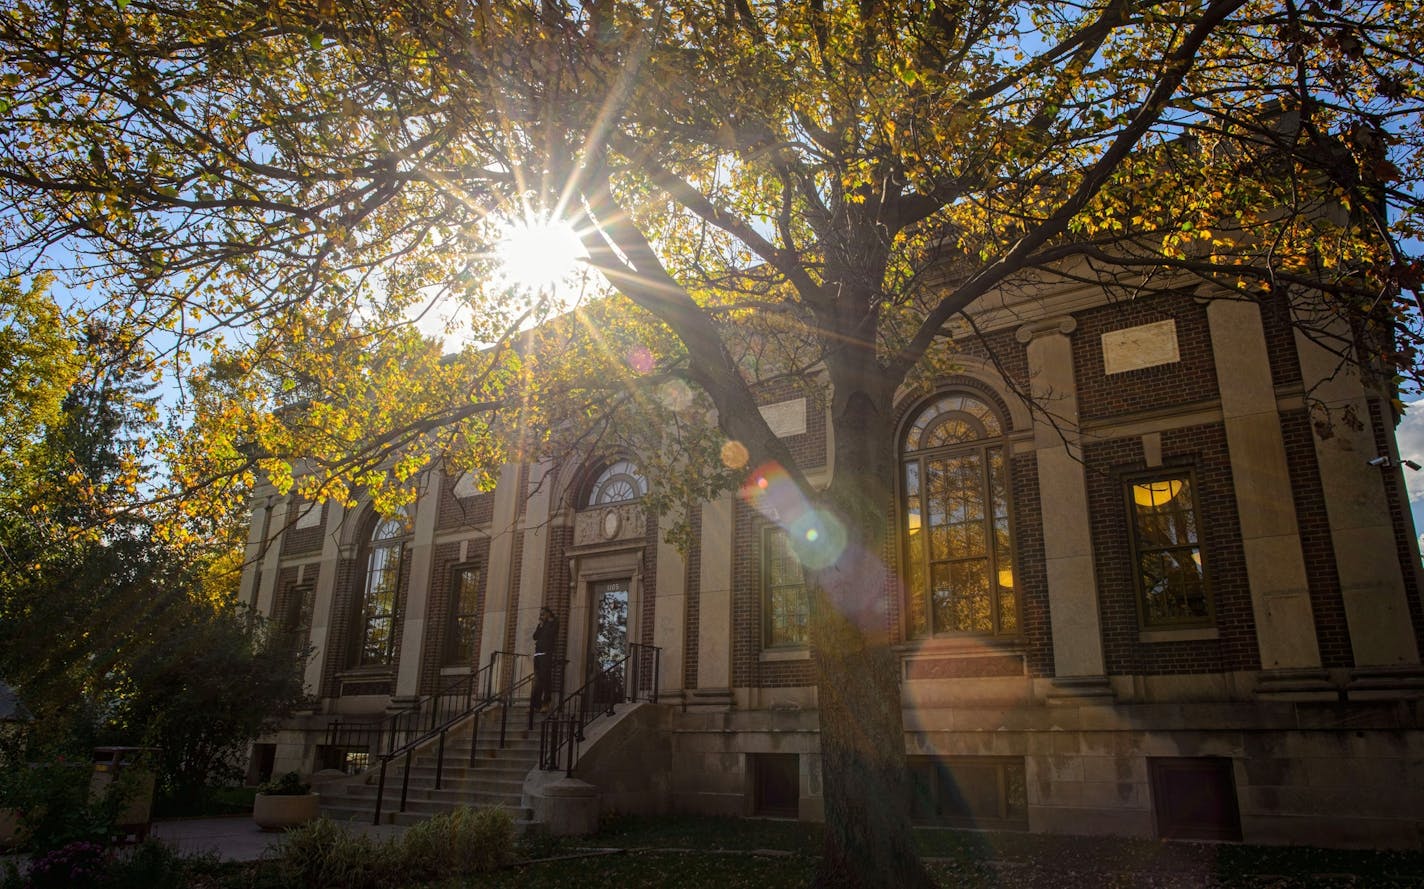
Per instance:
(619,482)
(783,591)
(1171,581)
(955,521)
(464,616)
(380,618)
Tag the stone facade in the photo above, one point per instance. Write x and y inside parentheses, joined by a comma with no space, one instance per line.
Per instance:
(1286,709)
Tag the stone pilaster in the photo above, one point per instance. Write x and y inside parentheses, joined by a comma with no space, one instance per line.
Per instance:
(1078,664)
(499,573)
(258,541)
(1270,536)
(415,623)
(271,559)
(324,596)
(1361,527)
(714,610)
(529,597)
(670,616)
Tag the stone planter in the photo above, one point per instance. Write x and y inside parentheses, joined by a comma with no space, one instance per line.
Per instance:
(283,811)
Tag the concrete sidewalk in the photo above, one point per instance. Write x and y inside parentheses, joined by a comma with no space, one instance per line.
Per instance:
(236,838)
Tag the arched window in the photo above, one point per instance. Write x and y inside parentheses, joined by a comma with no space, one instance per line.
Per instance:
(619,482)
(959,570)
(380,613)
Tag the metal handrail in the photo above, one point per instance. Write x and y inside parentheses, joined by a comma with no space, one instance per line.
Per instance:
(405,725)
(632,678)
(382,736)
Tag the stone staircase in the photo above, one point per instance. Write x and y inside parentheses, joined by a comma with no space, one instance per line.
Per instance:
(494,776)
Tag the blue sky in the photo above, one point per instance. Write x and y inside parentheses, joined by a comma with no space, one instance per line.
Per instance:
(1410,433)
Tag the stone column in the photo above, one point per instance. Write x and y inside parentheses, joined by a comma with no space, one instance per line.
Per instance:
(258,540)
(271,560)
(670,615)
(1361,527)
(1270,536)
(324,596)
(499,574)
(417,594)
(1063,498)
(714,610)
(529,597)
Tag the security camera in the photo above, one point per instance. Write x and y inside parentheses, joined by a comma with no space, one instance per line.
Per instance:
(1378,461)
(1411,464)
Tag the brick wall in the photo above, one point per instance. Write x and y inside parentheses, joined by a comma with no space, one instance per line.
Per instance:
(1280,340)
(1002,350)
(1332,632)
(299,541)
(808,448)
(748,614)
(694,589)
(1202,448)
(438,618)
(1190,380)
(556,592)
(1030,575)
(463,512)
(343,635)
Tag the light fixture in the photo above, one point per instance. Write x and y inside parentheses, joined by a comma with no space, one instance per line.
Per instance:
(1384,462)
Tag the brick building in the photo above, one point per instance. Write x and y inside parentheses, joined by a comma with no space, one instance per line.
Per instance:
(1163,599)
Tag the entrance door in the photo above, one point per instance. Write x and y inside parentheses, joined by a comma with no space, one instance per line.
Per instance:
(610,636)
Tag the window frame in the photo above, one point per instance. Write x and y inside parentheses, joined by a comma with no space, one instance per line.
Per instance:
(396,543)
(768,533)
(451,656)
(982,447)
(616,469)
(1136,549)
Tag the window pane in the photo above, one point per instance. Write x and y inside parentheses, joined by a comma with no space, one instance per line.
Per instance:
(787,608)
(1173,586)
(1003,551)
(464,610)
(1171,580)
(378,606)
(959,571)
(620,482)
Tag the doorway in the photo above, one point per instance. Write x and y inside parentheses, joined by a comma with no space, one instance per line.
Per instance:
(609,644)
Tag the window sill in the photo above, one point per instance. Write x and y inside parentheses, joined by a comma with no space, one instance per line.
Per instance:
(1185,634)
(965,644)
(787,653)
(369,671)
(455,671)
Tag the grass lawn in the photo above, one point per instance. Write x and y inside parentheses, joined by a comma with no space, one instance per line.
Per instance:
(726,853)
(718,853)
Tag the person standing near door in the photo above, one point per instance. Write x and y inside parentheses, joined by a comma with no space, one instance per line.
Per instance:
(545,636)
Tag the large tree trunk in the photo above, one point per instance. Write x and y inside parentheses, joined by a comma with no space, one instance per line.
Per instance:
(868,841)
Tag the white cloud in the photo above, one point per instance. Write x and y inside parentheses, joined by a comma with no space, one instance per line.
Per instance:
(1410,434)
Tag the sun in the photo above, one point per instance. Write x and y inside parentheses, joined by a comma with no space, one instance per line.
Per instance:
(539,253)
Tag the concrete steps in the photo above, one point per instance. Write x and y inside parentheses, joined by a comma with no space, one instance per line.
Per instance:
(491,776)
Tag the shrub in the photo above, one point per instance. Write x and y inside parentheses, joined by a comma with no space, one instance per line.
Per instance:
(322,854)
(54,804)
(77,864)
(464,841)
(290,784)
(150,865)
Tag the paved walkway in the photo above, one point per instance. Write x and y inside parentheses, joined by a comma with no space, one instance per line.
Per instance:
(236,838)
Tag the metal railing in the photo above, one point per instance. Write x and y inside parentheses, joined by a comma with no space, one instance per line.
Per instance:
(402,734)
(632,678)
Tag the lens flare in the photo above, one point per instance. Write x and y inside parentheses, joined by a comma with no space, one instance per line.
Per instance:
(735,455)
(817,537)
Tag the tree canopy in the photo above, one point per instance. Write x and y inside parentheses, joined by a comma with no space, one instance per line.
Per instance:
(768,191)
